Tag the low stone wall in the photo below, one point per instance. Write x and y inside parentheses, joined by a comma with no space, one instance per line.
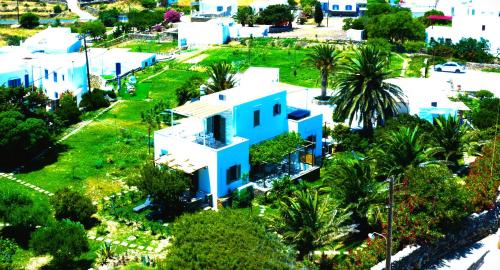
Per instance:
(477,227)
(479,66)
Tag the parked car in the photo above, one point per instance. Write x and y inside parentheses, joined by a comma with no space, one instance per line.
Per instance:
(450,67)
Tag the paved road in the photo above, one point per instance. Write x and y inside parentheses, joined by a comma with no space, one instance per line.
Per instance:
(471,80)
(465,257)
(84,15)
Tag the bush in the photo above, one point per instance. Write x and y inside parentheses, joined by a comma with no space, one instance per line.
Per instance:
(7,251)
(189,90)
(14,40)
(21,211)
(57,9)
(411,46)
(228,239)
(148,3)
(65,240)
(276,15)
(172,16)
(109,17)
(29,20)
(68,110)
(485,116)
(242,198)
(94,100)
(381,44)
(347,140)
(95,29)
(72,205)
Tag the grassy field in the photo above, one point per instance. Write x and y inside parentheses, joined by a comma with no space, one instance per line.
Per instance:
(415,66)
(6,32)
(144,46)
(42,9)
(396,64)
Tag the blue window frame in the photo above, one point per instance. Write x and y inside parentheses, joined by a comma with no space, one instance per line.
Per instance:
(335,7)
(56,95)
(46,74)
(473,12)
(348,7)
(26,80)
(219,8)
(324,6)
(55,76)
(14,83)
(63,77)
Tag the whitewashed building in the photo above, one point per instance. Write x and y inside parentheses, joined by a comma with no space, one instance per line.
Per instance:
(344,7)
(223,8)
(212,143)
(260,5)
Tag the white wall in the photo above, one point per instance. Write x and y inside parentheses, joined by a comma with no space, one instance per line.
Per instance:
(270,126)
(310,126)
(202,33)
(218,6)
(235,154)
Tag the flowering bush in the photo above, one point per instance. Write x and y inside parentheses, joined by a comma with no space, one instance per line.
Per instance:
(365,257)
(484,178)
(172,16)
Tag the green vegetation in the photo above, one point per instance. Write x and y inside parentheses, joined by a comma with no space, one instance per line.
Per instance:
(220,77)
(231,239)
(29,20)
(149,46)
(415,66)
(245,15)
(74,206)
(274,150)
(324,58)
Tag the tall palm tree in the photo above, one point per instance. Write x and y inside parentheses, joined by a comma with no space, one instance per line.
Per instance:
(324,57)
(353,184)
(448,134)
(310,222)
(220,77)
(362,90)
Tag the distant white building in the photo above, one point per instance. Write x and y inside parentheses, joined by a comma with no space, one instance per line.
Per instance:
(454,7)
(260,5)
(224,8)
(212,145)
(344,7)
(216,32)
(117,61)
(53,40)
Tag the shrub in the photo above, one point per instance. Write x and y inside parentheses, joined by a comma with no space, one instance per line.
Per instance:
(172,16)
(57,9)
(29,20)
(7,251)
(94,100)
(414,46)
(189,90)
(347,140)
(68,110)
(242,198)
(109,17)
(276,15)
(72,205)
(148,3)
(13,40)
(228,239)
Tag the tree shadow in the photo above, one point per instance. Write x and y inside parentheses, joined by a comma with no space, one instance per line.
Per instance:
(20,236)
(47,157)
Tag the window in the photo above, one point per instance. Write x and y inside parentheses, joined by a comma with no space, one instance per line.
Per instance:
(46,74)
(335,7)
(56,95)
(219,8)
(276,109)
(222,97)
(348,7)
(473,12)
(256,118)
(324,6)
(452,11)
(233,174)
(483,27)
(55,76)
(14,83)
(63,77)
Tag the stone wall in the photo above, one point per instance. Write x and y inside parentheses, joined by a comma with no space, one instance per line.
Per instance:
(477,227)
(479,66)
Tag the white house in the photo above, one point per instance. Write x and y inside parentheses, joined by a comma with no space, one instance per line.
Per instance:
(260,5)
(454,7)
(117,61)
(53,40)
(216,32)
(212,144)
(344,7)
(223,8)
(476,27)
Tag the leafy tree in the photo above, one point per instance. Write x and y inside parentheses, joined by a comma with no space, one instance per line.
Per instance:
(29,20)
(68,110)
(65,240)
(21,211)
(486,114)
(324,58)
(471,49)
(448,135)
(57,9)
(109,17)
(397,27)
(172,16)
(362,90)
(21,138)
(310,222)
(94,100)
(142,20)
(427,22)
(149,4)
(276,15)
(95,29)
(318,13)
(14,40)
(72,205)
(164,185)
(353,184)
(350,23)
(227,239)
(220,77)
(189,90)
(245,15)
(348,140)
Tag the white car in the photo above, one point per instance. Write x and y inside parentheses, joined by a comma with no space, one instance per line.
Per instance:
(450,67)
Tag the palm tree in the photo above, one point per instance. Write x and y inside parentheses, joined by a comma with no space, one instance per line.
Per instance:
(324,58)
(353,184)
(220,77)
(309,222)
(362,90)
(405,148)
(448,134)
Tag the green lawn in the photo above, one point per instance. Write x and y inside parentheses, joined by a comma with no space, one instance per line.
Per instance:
(396,64)
(415,66)
(495,70)
(287,60)
(148,46)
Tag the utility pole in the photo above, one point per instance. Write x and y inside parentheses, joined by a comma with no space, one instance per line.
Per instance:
(18,21)
(86,60)
(389,226)
(327,13)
